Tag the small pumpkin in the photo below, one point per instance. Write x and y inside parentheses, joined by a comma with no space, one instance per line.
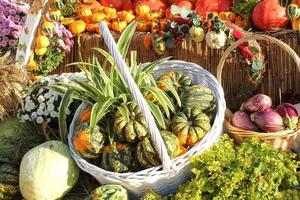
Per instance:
(126,16)
(93,28)
(42,42)
(97,17)
(87,144)
(228,16)
(159,47)
(143,26)
(40,51)
(198,96)
(55,15)
(111,13)
(190,126)
(293,11)
(216,40)
(142,10)
(86,12)
(85,115)
(32,65)
(151,16)
(147,155)
(155,5)
(135,129)
(77,27)
(177,79)
(48,27)
(109,192)
(59,4)
(118,26)
(117,157)
(284,3)
(197,34)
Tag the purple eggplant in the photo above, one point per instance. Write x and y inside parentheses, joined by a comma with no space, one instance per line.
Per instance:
(268,121)
(289,114)
(242,120)
(257,103)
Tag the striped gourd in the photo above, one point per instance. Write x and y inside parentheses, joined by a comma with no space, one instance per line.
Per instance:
(59,4)
(190,126)
(284,3)
(55,15)
(9,182)
(48,27)
(177,79)
(293,11)
(109,192)
(87,144)
(135,129)
(198,96)
(147,155)
(117,157)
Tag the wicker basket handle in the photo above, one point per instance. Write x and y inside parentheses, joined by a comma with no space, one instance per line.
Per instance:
(137,95)
(286,47)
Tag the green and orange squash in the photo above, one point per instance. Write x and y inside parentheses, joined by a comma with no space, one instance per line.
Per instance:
(59,4)
(9,182)
(109,192)
(88,144)
(190,126)
(117,157)
(177,79)
(132,129)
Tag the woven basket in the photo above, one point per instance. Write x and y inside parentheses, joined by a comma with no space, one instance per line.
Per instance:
(165,178)
(282,140)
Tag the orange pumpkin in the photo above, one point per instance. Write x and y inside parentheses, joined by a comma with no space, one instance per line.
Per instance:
(143,26)
(228,16)
(111,13)
(126,16)
(151,16)
(85,12)
(77,27)
(93,5)
(86,114)
(93,28)
(119,26)
(142,10)
(97,17)
(243,23)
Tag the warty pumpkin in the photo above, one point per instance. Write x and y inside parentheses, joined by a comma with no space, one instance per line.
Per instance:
(133,130)
(77,27)
(88,144)
(190,126)
(117,157)
(118,26)
(147,155)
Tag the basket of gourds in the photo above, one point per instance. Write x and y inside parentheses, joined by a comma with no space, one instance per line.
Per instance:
(257,116)
(138,126)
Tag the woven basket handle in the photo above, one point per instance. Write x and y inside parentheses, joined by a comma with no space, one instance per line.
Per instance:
(284,46)
(137,95)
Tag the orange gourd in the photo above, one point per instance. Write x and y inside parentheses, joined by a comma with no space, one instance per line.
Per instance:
(93,5)
(155,5)
(228,16)
(119,26)
(126,16)
(85,12)
(151,16)
(111,13)
(77,27)
(143,26)
(142,10)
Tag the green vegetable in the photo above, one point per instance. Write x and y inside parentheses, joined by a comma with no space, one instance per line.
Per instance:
(151,195)
(69,8)
(245,6)
(251,171)
(51,59)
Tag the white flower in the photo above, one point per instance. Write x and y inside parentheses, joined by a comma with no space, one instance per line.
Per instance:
(26,117)
(48,120)
(53,114)
(27,99)
(33,115)
(41,99)
(41,90)
(47,95)
(40,112)
(42,106)
(32,106)
(51,100)
(50,107)
(46,112)
(27,107)
(39,120)
(68,112)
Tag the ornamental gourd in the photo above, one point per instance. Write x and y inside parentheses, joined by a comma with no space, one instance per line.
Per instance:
(77,27)
(142,10)
(155,5)
(47,172)
(268,14)
(117,157)
(48,27)
(59,4)
(32,65)
(133,130)
(109,192)
(9,182)
(126,16)
(42,42)
(119,26)
(284,3)
(293,11)
(198,96)
(190,126)
(197,34)
(216,40)
(296,24)
(40,51)
(55,15)
(97,17)
(88,144)
(147,155)
(177,79)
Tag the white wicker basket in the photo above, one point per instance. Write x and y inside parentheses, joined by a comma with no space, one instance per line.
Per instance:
(165,178)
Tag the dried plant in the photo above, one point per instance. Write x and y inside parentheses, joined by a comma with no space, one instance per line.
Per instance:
(12,80)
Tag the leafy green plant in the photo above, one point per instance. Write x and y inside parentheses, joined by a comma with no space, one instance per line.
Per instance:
(253,170)
(245,6)
(106,91)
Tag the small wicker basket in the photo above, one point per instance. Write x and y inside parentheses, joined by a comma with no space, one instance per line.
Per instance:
(282,140)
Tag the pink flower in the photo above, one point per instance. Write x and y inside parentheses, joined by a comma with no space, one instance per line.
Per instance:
(12,42)
(6,31)
(4,43)
(1,32)
(6,39)
(12,11)
(17,19)
(16,33)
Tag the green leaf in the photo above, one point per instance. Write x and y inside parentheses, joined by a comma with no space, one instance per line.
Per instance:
(124,111)
(96,93)
(126,37)
(64,104)
(150,67)
(172,89)
(157,114)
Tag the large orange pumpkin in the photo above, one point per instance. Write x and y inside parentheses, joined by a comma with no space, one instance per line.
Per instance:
(205,6)
(268,14)
(155,5)
(117,4)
